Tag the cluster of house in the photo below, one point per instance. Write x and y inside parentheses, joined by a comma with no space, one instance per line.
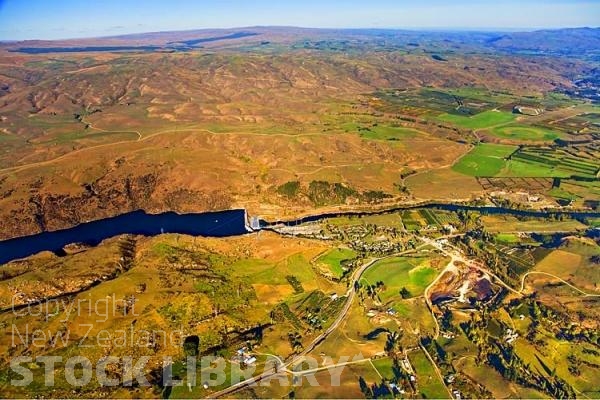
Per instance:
(450,379)
(380,247)
(447,335)
(397,388)
(243,356)
(510,336)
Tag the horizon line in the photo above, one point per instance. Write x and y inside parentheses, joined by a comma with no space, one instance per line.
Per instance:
(405,29)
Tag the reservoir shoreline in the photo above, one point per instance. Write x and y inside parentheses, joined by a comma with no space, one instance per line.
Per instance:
(215,224)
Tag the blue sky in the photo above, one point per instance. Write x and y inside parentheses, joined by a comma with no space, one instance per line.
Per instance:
(54,19)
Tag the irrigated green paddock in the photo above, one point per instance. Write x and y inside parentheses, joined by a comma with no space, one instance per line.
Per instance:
(482,120)
(484,160)
(430,385)
(550,162)
(524,133)
(334,259)
(383,132)
(396,273)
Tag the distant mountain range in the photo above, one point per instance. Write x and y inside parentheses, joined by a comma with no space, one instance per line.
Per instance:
(561,41)
(572,41)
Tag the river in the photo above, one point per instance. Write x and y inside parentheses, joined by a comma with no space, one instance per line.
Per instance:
(215,224)
(579,215)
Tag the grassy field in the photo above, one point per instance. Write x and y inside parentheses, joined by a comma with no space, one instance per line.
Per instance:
(482,94)
(383,132)
(349,387)
(412,273)
(572,262)
(507,238)
(506,224)
(494,382)
(488,377)
(578,191)
(269,278)
(594,222)
(384,367)
(589,376)
(413,317)
(482,120)
(429,384)
(413,220)
(560,263)
(484,160)
(442,184)
(560,193)
(550,162)
(524,169)
(392,220)
(333,260)
(524,133)
(352,332)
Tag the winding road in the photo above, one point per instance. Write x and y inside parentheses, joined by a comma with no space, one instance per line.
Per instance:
(284,367)
(446,249)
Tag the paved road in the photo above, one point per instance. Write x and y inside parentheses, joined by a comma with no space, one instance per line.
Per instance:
(446,249)
(282,369)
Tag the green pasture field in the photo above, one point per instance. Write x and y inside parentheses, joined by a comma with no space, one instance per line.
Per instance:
(507,238)
(413,316)
(428,381)
(494,382)
(572,262)
(412,273)
(393,220)
(334,258)
(544,162)
(4,137)
(484,160)
(412,220)
(264,272)
(385,367)
(504,224)
(482,120)
(592,117)
(482,94)
(524,133)
(382,132)
(552,361)
(559,193)
(525,169)
(594,222)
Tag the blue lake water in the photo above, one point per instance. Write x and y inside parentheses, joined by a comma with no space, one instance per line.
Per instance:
(217,224)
